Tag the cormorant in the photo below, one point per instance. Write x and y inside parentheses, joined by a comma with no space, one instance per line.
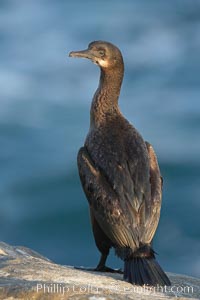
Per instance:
(120,176)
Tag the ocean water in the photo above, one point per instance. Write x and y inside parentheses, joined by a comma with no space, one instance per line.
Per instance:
(44,117)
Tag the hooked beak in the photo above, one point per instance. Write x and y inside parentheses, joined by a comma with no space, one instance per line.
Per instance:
(83,53)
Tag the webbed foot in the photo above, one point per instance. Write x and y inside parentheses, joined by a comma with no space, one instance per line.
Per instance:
(100,269)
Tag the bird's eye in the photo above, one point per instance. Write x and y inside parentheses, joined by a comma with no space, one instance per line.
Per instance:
(102,52)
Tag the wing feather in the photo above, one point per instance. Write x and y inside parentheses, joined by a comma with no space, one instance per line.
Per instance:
(105,205)
(124,197)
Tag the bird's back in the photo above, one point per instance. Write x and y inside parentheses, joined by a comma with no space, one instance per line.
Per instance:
(120,153)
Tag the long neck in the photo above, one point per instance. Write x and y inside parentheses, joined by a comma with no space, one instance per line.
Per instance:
(105,100)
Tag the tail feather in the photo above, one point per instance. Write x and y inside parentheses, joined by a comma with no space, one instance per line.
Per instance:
(145,270)
(139,274)
(144,275)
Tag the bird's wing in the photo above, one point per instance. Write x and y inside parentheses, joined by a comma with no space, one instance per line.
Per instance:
(134,177)
(113,216)
(154,204)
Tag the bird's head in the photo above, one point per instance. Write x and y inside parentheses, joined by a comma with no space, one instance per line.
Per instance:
(104,54)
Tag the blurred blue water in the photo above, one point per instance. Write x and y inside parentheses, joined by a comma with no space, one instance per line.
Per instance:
(44,118)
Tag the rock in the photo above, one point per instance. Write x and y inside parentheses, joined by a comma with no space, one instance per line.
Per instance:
(25,274)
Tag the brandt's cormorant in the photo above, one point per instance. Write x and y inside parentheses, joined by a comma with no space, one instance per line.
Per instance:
(120,176)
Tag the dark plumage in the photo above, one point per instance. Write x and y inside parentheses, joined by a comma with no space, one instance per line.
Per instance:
(120,176)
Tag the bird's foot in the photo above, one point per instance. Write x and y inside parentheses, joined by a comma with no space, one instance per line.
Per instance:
(107,269)
(100,269)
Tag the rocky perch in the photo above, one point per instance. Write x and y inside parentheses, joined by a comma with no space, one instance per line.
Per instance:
(25,274)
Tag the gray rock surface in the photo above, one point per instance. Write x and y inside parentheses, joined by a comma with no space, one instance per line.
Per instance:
(25,274)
